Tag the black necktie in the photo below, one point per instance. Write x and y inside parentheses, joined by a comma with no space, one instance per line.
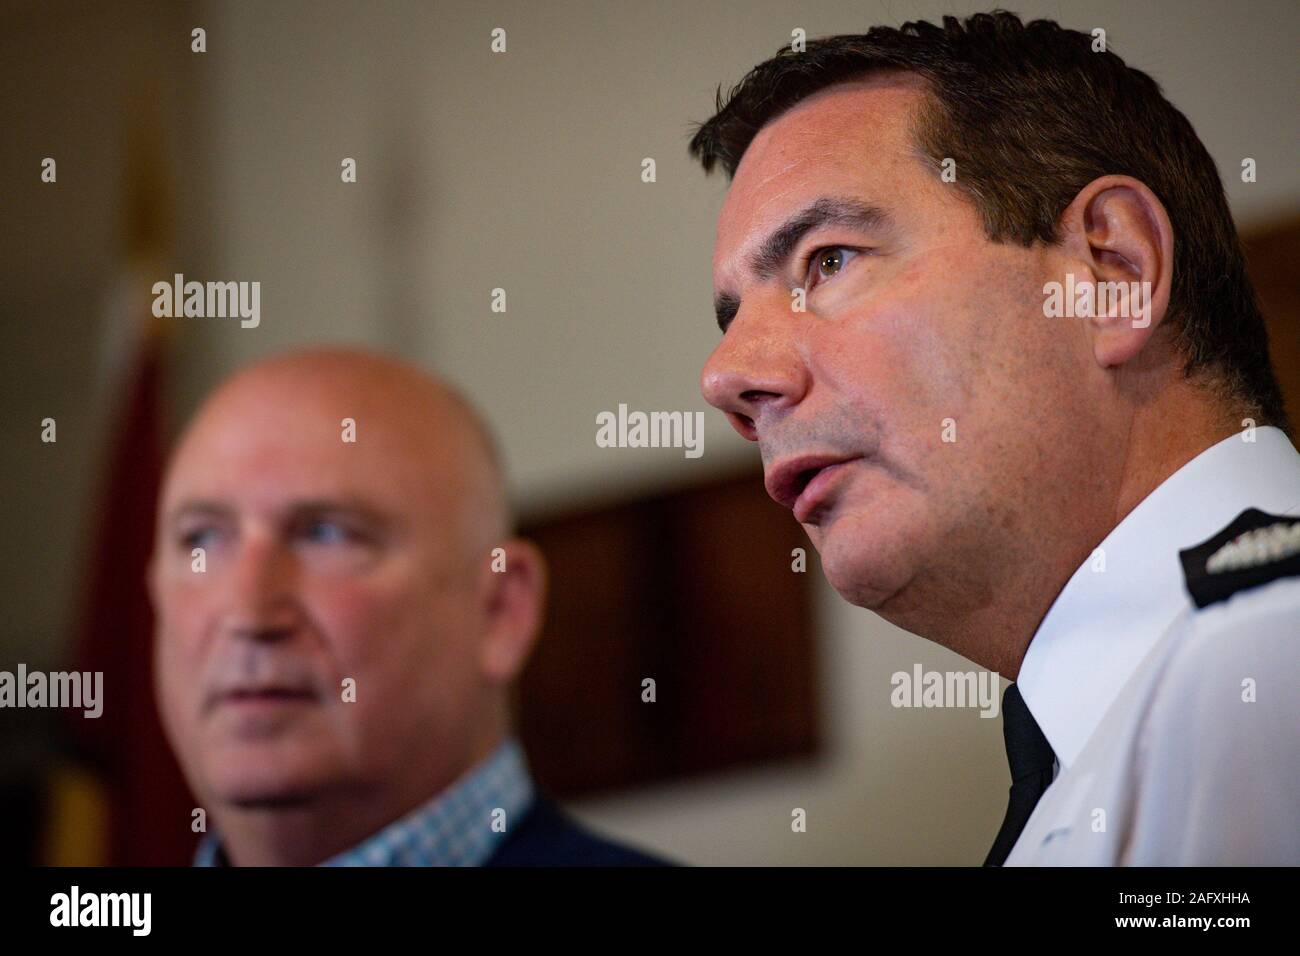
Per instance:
(1030,757)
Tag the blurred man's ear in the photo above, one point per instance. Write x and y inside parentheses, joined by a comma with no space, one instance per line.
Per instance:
(516,599)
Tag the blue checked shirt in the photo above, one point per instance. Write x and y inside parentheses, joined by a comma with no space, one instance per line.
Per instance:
(455,828)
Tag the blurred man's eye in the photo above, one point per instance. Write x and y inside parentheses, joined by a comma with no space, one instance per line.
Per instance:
(337,545)
(324,531)
(200,537)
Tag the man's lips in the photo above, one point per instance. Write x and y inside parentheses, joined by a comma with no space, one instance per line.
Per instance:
(264,697)
(800,483)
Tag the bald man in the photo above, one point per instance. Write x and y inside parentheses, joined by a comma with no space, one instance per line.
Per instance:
(340,614)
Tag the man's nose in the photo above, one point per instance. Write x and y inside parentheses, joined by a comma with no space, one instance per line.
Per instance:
(756,371)
(261,601)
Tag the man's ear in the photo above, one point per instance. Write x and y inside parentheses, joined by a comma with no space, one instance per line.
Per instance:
(515,592)
(1120,232)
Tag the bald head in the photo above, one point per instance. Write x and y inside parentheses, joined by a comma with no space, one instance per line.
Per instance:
(339,609)
(400,418)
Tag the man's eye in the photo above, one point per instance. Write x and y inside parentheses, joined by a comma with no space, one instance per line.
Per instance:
(827,262)
(197,538)
(327,532)
(323,531)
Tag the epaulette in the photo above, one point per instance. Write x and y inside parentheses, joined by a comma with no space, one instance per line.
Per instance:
(1255,549)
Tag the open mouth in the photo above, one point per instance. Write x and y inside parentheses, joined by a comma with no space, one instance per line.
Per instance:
(803,483)
(816,490)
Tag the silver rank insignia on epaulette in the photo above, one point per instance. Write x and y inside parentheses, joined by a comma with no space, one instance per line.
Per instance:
(1254,550)
(1260,546)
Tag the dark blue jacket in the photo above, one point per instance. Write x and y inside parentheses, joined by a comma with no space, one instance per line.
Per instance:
(547,836)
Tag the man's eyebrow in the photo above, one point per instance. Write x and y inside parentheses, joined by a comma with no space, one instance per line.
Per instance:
(771,255)
(198,508)
(345,505)
(768,259)
(297,508)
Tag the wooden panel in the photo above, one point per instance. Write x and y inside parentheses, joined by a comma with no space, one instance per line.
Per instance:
(695,590)
(1273,260)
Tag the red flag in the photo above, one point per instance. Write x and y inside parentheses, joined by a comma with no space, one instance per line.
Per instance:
(149,805)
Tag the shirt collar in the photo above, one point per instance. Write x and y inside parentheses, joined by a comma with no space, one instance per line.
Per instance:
(458,827)
(1104,622)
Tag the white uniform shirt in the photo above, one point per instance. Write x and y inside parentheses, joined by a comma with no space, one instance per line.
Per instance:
(1176,730)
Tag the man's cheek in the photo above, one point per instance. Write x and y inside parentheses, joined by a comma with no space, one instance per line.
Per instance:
(176,678)
(883,348)
(358,622)
(925,355)
(188,604)
(178,631)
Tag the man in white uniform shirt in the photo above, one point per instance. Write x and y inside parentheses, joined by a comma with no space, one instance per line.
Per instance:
(1092,494)
(1175,727)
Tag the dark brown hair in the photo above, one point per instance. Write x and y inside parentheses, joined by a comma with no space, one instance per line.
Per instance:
(1032,114)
